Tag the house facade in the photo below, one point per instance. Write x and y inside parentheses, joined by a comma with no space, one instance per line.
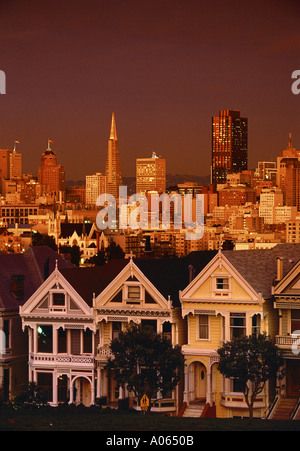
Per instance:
(20,276)
(287,303)
(61,341)
(132,298)
(231,297)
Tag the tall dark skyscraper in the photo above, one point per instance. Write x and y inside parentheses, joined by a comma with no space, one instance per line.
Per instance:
(113,166)
(229,145)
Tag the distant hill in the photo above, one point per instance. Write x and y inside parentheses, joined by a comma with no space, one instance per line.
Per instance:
(172,180)
(181,178)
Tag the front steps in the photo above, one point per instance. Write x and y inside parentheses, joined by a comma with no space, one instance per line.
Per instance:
(194,410)
(284,409)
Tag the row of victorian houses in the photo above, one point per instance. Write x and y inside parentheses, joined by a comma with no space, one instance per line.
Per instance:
(58,321)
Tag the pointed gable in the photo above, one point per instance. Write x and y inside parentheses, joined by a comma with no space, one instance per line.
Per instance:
(55,297)
(219,282)
(131,288)
(289,285)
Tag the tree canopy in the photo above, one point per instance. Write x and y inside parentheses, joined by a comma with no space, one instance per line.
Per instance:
(146,362)
(252,360)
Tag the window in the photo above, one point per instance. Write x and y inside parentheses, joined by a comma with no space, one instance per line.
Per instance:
(75,341)
(150,323)
(45,383)
(45,338)
(134,292)
(62,388)
(295,320)
(236,385)
(87,341)
(237,325)
(61,341)
(58,299)
(6,330)
(116,329)
(256,325)
(17,286)
(222,283)
(167,330)
(203,327)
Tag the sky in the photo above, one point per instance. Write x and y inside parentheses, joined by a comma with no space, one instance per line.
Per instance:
(164,67)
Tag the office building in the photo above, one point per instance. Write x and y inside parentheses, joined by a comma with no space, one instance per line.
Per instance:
(229,145)
(95,185)
(288,175)
(51,175)
(151,174)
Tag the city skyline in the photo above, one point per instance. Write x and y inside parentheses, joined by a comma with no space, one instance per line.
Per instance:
(67,70)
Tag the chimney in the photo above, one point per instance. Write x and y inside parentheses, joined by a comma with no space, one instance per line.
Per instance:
(279,268)
(191,273)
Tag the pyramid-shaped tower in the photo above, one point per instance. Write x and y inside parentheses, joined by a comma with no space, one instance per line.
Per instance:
(113,166)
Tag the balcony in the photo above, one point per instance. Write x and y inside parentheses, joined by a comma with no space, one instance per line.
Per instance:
(290,344)
(103,352)
(65,360)
(237,401)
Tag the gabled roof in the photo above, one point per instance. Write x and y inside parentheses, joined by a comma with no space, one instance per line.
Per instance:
(90,280)
(171,275)
(168,276)
(259,266)
(36,264)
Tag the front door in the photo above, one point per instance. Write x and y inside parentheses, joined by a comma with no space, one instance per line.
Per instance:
(200,381)
(293,378)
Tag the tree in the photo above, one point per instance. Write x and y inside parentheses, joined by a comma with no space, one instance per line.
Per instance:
(252,360)
(146,362)
(31,396)
(44,240)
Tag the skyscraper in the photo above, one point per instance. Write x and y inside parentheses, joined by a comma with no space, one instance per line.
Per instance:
(288,175)
(113,166)
(51,175)
(15,164)
(151,174)
(229,145)
(95,185)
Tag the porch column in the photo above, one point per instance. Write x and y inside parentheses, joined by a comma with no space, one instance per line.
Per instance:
(98,394)
(71,392)
(186,385)
(55,388)
(208,386)
(93,391)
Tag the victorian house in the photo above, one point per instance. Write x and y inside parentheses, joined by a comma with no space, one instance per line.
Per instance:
(231,297)
(287,304)
(20,276)
(62,334)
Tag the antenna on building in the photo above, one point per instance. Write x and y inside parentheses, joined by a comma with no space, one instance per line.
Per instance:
(15,145)
(49,142)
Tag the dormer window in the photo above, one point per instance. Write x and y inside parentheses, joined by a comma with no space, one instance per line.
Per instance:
(133,293)
(222,283)
(58,301)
